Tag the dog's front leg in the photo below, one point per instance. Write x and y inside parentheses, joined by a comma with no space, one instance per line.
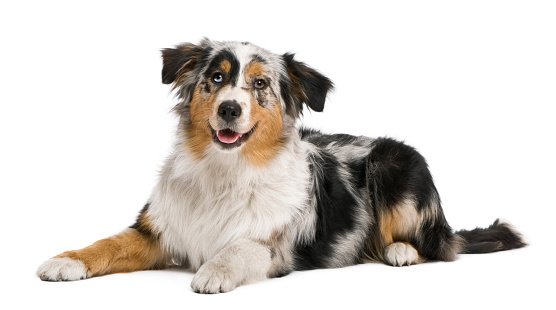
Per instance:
(241,262)
(128,251)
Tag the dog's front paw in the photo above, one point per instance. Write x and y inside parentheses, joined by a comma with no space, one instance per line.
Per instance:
(213,278)
(62,269)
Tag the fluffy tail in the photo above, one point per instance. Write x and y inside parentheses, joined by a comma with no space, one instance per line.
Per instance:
(500,236)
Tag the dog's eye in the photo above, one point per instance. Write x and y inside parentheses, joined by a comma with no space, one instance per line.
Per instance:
(260,84)
(217,77)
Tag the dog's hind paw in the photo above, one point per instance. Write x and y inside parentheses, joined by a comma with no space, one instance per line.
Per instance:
(62,269)
(400,254)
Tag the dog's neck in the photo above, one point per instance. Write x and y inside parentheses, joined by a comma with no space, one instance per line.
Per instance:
(221,166)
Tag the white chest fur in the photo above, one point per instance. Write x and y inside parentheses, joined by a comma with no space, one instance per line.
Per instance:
(199,207)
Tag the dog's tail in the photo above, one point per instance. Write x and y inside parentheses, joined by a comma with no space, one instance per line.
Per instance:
(500,236)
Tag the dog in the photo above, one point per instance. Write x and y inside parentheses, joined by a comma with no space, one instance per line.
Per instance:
(247,194)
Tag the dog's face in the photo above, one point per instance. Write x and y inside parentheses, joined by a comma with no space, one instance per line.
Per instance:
(237,97)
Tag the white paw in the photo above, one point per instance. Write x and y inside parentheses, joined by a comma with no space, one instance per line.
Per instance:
(62,269)
(400,254)
(213,278)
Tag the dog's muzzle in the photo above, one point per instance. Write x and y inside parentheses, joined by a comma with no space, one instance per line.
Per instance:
(229,111)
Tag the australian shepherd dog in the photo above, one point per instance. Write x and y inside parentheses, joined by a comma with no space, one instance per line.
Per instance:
(246,194)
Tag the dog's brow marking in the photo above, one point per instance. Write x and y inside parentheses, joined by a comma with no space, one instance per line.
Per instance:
(225,66)
(255,69)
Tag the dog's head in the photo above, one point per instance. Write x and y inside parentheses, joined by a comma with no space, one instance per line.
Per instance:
(238,97)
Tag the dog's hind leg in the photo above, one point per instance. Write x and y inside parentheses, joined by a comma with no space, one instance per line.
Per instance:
(410,225)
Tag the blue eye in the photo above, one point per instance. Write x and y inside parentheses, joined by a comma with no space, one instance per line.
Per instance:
(217,77)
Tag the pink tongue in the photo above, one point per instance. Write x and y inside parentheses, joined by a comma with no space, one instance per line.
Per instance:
(228,136)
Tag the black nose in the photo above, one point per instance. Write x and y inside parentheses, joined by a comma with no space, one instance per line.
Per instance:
(229,110)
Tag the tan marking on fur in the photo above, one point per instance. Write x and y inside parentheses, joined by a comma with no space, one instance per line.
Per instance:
(198,132)
(125,252)
(401,223)
(225,66)
(266,140)
(397,225)
(255,69)
(145,224)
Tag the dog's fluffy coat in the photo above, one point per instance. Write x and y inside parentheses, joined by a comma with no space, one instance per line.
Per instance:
(246,195)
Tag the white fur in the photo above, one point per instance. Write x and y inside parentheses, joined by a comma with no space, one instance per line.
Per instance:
(243,98)
(62,269)
(358,149)
(201,206)
(400,254)
(241,262)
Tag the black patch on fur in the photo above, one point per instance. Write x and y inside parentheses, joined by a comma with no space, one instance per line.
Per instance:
(261,95)
(436,240)
(261,99)
(232,76)
(497,237)
(335,209)
(293,107)
(179,60)
(399,172)
(206,87)
(357,169)
(303,85)
(257,58)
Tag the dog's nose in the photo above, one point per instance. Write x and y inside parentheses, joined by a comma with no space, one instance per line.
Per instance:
(229,110)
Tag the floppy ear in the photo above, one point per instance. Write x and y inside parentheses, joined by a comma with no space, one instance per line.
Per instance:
(307,85)
(179,60)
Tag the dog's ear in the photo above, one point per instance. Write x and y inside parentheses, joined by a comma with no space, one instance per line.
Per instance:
(179,60)
(306,85)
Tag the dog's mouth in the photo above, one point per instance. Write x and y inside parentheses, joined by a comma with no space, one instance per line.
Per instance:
(228,138)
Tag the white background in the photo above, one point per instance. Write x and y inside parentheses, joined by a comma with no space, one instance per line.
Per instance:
(85,124)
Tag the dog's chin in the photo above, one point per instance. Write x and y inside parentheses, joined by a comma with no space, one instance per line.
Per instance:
(228,139)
